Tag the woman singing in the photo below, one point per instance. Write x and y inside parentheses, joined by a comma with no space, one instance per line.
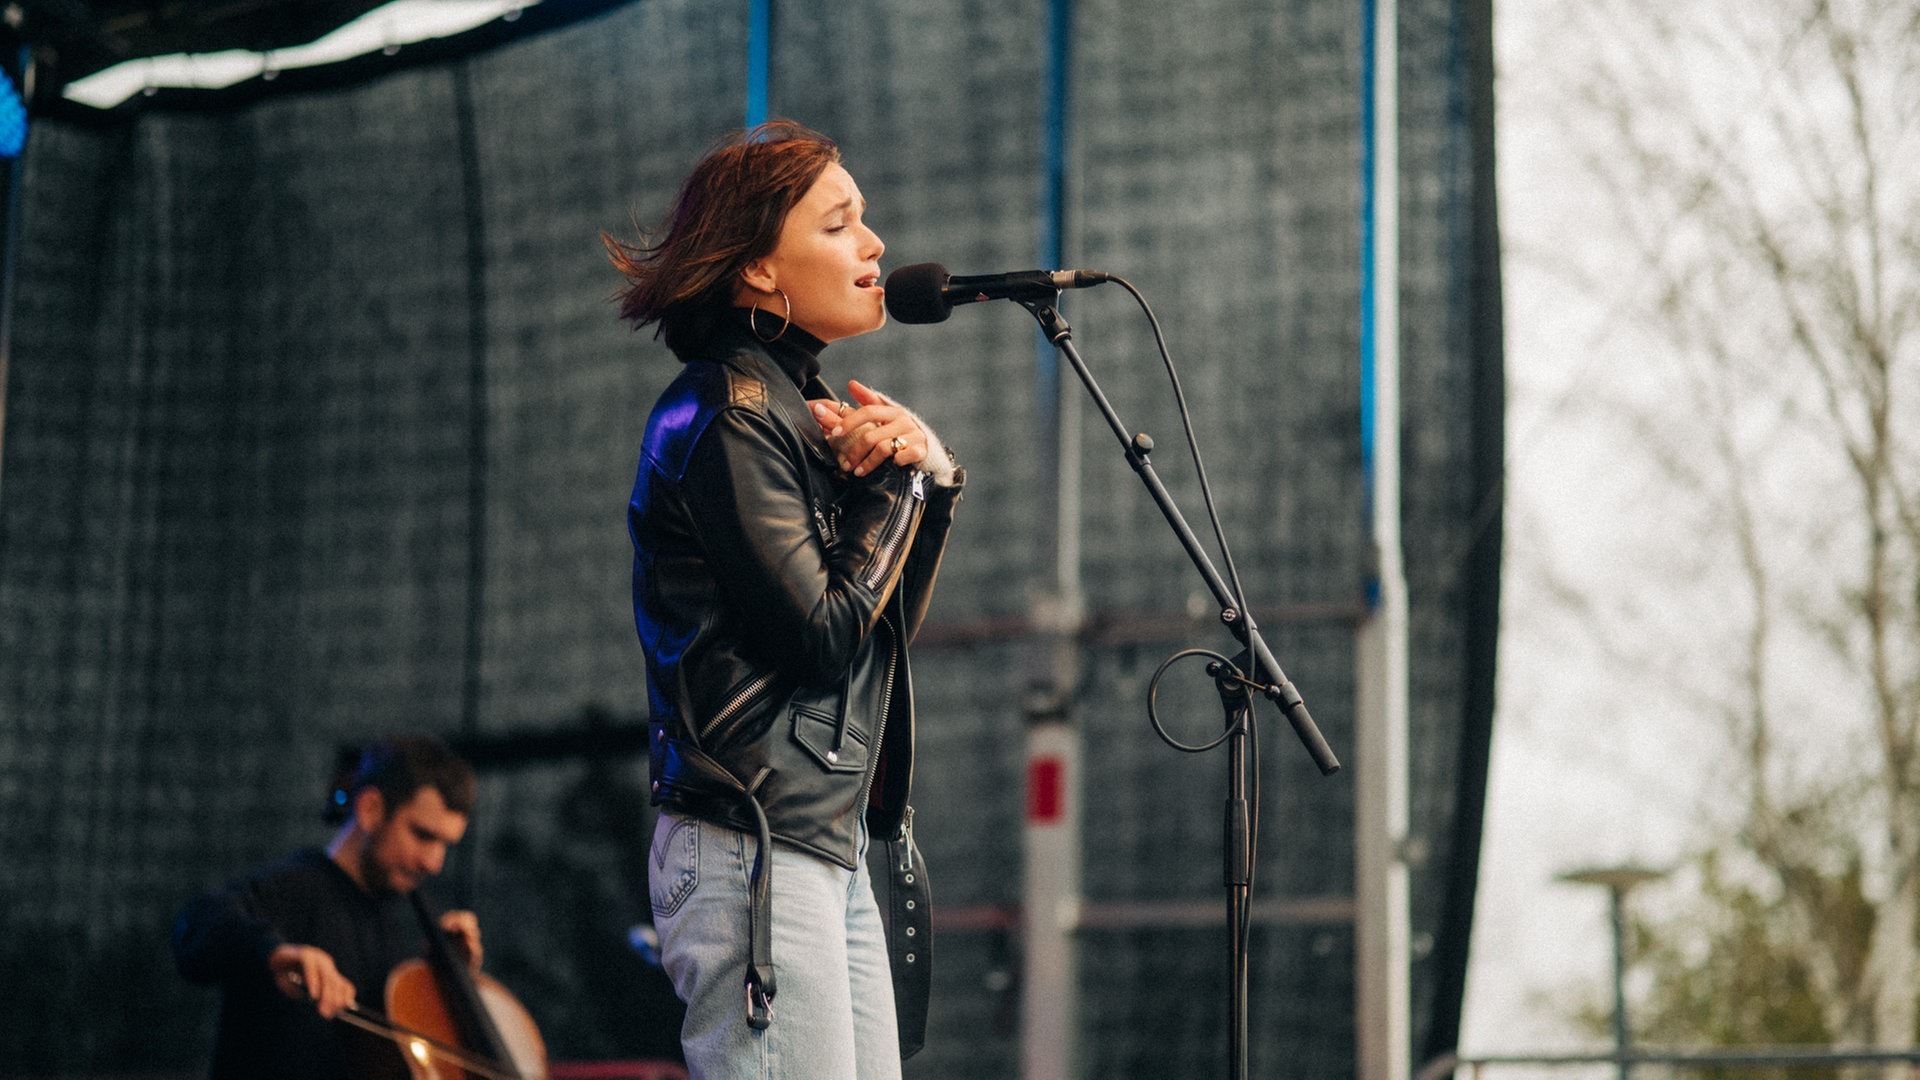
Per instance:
(785,547)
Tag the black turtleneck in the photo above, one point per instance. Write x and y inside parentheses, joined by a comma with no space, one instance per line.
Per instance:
(798,354)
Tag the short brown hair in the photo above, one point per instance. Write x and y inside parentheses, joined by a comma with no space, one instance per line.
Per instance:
(398,767)
(729,212)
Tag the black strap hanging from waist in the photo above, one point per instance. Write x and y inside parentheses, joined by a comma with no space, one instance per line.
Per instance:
(909,936)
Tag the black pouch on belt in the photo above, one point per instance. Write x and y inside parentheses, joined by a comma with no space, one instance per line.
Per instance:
(909,912)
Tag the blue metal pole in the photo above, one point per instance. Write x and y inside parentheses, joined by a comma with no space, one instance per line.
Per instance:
(759,59)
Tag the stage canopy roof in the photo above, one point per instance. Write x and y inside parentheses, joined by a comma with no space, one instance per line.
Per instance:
(242,49)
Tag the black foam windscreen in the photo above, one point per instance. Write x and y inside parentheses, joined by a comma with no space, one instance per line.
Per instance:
(915,294)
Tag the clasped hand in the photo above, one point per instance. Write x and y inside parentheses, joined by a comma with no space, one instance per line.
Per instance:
(870,431)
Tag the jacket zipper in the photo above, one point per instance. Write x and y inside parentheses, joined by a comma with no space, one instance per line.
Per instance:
(886,706)
(894,536)
(734,706)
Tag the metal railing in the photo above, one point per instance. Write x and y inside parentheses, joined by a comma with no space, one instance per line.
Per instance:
(1473,1066)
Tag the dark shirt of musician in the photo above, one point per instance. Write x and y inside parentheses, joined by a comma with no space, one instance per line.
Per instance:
(225,937)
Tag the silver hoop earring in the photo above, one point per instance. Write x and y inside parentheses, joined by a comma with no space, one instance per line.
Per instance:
(753,322)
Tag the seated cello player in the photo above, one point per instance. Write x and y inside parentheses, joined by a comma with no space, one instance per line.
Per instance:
(295,943)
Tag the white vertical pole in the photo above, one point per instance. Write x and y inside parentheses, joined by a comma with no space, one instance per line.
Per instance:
(1050,882)
(1382,951)
(1050,893)
(1050,908)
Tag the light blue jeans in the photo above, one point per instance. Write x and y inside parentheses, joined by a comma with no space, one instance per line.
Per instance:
(833,1010)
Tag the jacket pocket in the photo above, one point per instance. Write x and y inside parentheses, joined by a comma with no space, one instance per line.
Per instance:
(832,746)
(676,863)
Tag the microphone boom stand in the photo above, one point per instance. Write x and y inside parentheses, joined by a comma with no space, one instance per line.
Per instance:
(1263,673)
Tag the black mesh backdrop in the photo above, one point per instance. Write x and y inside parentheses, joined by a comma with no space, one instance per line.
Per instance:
(320,424)
(1453,397)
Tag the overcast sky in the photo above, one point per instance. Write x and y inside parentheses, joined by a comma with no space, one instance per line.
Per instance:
(1580,776)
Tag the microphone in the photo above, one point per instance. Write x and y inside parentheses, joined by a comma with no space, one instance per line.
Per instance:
(926,293)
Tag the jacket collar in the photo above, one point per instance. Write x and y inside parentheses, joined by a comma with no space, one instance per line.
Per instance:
(736,347)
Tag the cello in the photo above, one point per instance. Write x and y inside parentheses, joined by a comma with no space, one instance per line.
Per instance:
(449,1021)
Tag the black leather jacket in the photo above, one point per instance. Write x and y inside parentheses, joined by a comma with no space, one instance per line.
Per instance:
(775,596)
